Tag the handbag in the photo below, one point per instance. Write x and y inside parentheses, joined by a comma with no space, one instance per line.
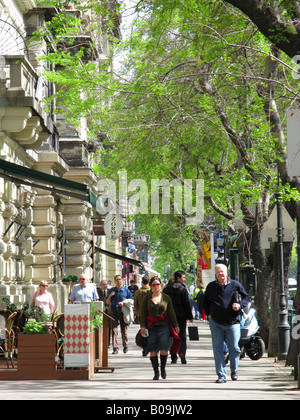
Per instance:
(140,341)
(193,333)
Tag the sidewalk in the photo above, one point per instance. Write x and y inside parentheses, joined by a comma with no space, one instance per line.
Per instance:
(132,379)
(259,380)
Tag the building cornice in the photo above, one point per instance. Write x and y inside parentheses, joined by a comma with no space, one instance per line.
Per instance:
(25,5)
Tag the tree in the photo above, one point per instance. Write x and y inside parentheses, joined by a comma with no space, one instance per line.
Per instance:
(180,91)
(279,23)
(200,100)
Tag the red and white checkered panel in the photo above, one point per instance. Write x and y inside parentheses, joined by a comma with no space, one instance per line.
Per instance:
(77,334)
(76,330)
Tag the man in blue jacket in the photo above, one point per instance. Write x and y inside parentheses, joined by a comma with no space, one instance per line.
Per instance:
(115,299)
(223,301)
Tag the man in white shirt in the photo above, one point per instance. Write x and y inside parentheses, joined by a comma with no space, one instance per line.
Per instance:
(84,292)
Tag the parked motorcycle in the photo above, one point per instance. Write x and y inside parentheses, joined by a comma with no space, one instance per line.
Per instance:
(250,342)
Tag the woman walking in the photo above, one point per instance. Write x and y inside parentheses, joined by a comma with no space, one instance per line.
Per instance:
(43,299)
(157,314)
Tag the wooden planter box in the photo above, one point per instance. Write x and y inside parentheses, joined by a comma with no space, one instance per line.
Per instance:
(36,356)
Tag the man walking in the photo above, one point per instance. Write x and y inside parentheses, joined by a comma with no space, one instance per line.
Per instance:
(178,293)
(103,294)
(116,297)
(138,297)
(84,291)
(223,301)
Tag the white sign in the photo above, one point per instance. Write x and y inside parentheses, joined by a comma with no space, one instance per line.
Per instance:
(220,242)
(141,238)
(293,141)
(113,226)
(269,231)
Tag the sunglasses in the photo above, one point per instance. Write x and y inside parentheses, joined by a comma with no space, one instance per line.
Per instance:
(155,284)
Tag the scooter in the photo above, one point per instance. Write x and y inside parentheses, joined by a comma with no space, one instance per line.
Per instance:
(250,342)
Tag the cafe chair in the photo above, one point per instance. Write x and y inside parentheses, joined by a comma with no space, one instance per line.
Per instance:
(58,325)
(37,315)
(20,321)
(53,316)
(7,340)
(5,313)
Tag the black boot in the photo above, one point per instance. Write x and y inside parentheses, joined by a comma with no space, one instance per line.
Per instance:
(154,361)
(163,362)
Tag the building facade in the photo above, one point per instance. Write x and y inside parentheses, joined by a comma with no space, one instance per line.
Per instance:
(46,222)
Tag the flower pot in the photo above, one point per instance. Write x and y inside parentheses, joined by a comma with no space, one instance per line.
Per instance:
(36,356)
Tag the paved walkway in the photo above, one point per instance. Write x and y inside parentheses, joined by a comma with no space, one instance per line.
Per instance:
(132,379)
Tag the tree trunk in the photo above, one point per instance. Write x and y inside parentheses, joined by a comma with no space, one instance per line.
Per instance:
(262,300)
(263,261)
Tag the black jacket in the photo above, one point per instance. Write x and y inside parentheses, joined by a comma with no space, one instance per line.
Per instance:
(180,300)
(218,301)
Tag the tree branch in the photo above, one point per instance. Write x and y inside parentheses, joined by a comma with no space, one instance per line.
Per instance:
(265,17)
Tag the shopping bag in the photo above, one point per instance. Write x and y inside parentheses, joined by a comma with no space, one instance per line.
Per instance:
(193,333)
(140,340)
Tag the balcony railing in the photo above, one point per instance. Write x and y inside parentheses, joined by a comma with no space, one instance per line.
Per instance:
(22,77)
(21,87)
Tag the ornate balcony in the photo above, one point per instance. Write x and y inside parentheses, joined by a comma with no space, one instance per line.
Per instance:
(22,115)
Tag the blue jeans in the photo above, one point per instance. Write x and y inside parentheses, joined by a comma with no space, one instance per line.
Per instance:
(229,334)
(194,305)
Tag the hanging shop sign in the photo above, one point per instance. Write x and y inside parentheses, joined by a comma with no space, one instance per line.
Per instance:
(113,226)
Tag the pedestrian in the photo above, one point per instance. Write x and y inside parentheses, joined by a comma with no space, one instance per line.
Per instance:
(116,297)
(200,301)
(158,316)
(84,291)
(43,299)
(103,291)
(178,293)
(138,297)
(133,287)
(223,313)
(103,294)
(193,301)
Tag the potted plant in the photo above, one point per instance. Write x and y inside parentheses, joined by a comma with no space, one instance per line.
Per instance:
(96,318)
(69,282)
(35,327)
(36,351)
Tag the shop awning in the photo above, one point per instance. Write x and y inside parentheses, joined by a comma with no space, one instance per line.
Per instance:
(26,176)
(119,257)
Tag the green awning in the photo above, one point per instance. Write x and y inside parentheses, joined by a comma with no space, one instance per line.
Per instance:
(26,176)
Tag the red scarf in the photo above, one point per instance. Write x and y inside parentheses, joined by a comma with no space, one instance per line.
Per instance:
(176,339)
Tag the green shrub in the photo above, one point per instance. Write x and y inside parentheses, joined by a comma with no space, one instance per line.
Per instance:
(35,327)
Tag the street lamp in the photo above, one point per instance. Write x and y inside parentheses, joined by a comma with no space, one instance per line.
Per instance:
(65,244)
(283,325)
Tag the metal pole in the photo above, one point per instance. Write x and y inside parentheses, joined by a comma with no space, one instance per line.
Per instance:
(283,325)
(64,248)
(212,256)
